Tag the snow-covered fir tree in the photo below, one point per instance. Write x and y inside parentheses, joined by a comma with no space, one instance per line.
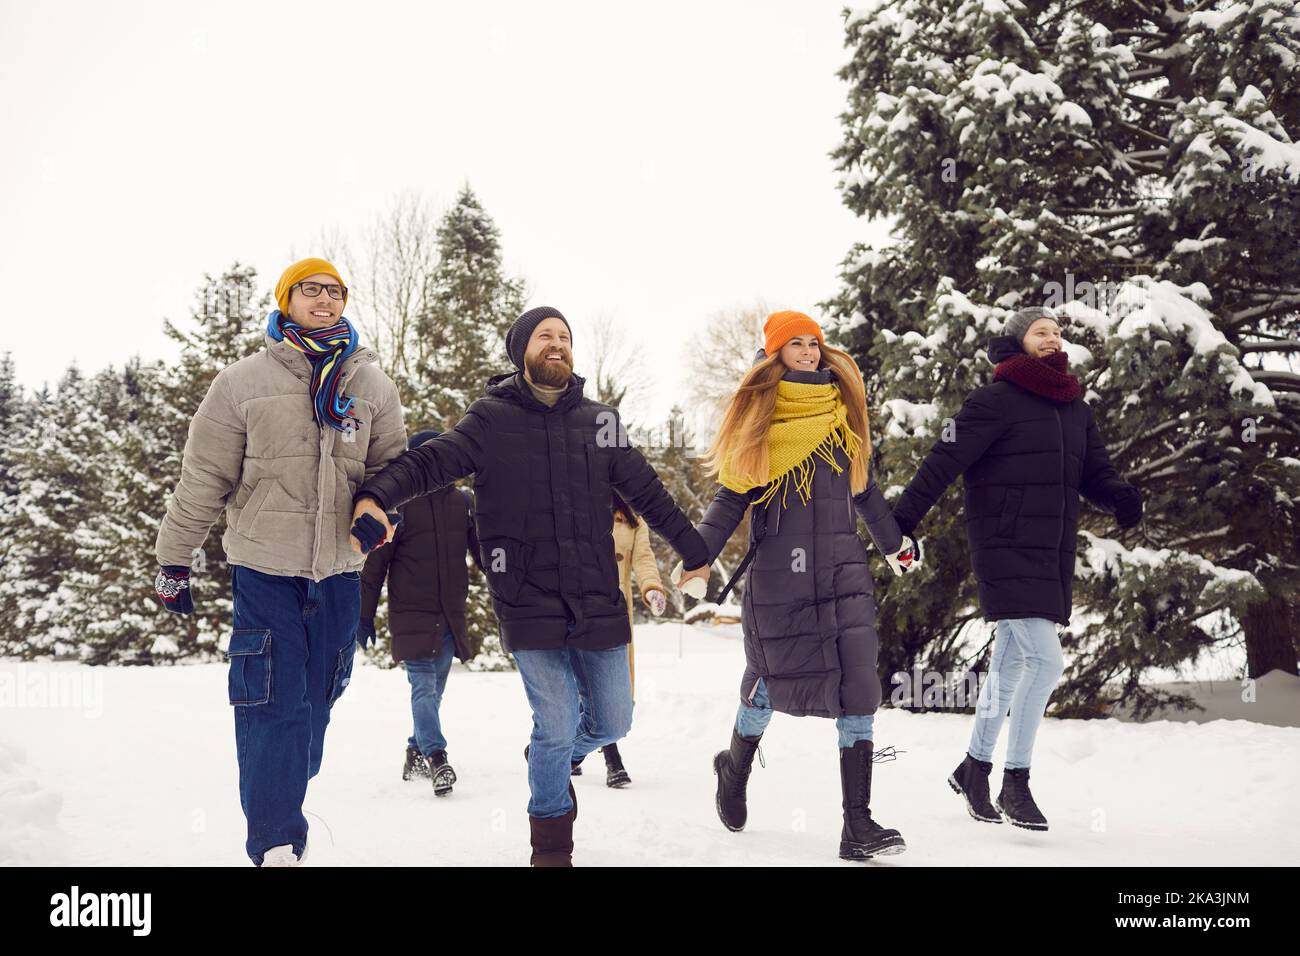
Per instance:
(58,460)
(122,619)
(469,305)
(13,415)
(1135,164)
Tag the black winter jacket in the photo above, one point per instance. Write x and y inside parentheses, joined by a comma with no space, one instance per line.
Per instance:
(543,507)
(808,612)
(428,580)
(1025,459)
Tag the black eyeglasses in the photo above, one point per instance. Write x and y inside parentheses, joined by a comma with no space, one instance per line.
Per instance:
(312,289)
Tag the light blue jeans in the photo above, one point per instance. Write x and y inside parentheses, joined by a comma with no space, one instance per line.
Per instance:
(753,717)
(428,678)
(1023,671)
(581,700)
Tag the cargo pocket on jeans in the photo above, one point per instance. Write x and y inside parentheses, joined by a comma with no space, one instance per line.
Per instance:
(342,671)
(250,665)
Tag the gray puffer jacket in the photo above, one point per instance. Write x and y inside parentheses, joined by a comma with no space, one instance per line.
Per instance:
(285,483)
(808,615)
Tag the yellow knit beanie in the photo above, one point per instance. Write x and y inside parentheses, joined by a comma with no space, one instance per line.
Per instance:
(299,271)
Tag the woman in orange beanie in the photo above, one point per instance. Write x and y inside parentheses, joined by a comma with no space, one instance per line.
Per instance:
(793,449)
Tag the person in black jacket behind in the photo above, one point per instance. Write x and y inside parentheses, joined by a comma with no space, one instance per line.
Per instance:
(545,462)
(1028,447)
(428,583)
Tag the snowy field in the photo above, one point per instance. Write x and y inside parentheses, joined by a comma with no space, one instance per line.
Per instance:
(138,768)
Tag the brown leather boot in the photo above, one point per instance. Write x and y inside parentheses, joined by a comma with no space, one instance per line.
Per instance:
(552,840)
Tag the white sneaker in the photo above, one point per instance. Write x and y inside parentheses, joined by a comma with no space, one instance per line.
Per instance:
(282,856)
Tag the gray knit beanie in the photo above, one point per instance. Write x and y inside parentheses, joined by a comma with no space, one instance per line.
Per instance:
(1019,324)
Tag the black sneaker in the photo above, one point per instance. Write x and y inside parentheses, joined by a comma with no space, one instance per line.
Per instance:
(443,775)
(416,764)
(615,775)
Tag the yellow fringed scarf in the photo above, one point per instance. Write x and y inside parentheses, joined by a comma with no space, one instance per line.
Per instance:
(809,422)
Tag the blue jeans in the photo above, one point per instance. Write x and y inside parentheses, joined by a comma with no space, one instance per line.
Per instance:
(428,677)
(290,655)
(581,700)
(753,717)
(1023,672)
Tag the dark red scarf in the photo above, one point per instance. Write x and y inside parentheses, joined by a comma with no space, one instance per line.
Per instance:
(1046,376)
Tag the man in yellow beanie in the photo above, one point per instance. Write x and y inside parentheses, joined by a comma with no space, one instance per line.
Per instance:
(282,441)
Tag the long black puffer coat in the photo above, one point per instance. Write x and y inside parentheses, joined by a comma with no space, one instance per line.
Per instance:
(808,614)
(1026,459)
(542,505)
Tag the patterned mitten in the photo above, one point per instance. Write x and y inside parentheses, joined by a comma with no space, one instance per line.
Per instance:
(173,587)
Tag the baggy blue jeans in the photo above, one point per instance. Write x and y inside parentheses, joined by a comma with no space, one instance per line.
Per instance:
(291,650)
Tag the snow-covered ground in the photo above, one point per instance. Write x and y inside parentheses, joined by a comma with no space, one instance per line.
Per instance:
(131,766)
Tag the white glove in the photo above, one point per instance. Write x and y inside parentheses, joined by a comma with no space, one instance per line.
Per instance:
(658,603)
(695,587)
(906,558)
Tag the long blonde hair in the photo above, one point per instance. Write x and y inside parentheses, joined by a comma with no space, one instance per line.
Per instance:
(742,437)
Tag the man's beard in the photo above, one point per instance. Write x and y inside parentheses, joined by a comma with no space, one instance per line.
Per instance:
(550,374)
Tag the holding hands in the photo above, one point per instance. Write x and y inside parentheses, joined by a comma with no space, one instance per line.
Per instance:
(371,526)
(693,584)
(906,558)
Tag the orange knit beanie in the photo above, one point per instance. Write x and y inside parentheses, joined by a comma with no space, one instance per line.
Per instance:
(781,327)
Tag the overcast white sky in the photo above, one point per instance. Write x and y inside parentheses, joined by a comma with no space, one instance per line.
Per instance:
(653,162)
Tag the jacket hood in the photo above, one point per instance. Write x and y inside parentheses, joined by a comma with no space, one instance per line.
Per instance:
(1003,347)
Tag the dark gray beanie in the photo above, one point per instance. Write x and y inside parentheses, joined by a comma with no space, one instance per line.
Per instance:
(419,438)
(1019,324)
(519,334)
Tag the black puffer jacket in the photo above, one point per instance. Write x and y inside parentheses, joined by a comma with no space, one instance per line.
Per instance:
(808,615)
(542,483)
(1026,459)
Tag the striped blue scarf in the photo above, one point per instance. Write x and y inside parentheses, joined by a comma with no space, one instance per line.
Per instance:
(326,349)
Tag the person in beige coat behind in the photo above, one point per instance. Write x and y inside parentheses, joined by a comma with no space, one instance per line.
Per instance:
(633,554)
(281,442)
